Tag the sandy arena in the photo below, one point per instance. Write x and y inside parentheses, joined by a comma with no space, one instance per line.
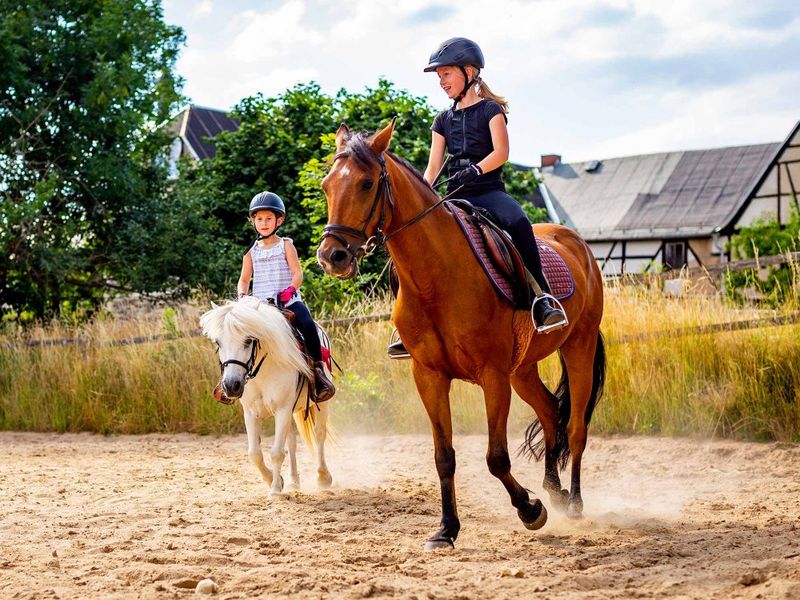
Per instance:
(86,516)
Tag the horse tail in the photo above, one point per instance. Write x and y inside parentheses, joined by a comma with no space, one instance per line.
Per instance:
(305,426)
(534,445)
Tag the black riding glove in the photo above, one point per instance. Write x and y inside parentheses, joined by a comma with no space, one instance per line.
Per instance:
(468,175)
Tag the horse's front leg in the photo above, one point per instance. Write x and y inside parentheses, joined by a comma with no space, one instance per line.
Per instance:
(252,425)
(283,422)
(434,390)
(497,396)
(324,479)
(291,446)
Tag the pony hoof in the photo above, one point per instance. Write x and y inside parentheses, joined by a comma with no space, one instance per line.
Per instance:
(575,510)
(534,516)
(439,544)
(277,495)
(324,480)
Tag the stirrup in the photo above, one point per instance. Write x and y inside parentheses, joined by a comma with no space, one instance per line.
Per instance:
(394,340)
(548,328)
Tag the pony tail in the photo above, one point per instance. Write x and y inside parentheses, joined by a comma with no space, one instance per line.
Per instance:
(484,91)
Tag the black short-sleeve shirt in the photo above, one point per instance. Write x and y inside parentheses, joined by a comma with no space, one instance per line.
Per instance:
(466,132)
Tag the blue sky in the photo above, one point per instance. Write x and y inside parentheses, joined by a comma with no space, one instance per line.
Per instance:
(584,79)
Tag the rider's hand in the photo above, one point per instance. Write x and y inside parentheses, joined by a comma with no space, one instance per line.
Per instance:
(468,175)
(286,295)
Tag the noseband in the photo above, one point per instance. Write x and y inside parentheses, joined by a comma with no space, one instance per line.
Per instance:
(366,244)
(250,371)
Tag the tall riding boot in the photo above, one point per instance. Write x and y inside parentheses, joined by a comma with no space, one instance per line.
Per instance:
(323,386)
(547,317)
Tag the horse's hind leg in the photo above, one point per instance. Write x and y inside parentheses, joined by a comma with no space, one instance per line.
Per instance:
(579,359)
(252,425)
(528,384)
(497,395)
(324,479)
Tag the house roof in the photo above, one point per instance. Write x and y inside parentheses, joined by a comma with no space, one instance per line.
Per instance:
(670,194)
(196,125)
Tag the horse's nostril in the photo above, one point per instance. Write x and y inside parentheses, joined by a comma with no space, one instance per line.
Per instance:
(339,257)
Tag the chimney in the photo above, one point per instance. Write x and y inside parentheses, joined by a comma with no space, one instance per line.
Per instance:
(551,160)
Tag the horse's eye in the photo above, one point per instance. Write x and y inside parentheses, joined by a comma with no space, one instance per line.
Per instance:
(248,342)
(367,184)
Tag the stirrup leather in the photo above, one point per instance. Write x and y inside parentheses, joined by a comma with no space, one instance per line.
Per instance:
(548,328)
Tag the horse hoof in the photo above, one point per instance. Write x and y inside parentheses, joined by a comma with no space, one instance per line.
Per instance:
(575,510)
(439,544)
(277,495)
(534,516)
(560,499)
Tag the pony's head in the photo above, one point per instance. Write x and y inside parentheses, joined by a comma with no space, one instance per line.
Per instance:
(359,205)
(249,333)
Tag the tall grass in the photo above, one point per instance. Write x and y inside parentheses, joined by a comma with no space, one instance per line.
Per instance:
(743,384)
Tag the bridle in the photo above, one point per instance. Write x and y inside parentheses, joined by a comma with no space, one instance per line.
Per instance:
(250,367)
(365,244)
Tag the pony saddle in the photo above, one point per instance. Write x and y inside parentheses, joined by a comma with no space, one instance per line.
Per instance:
(501,261)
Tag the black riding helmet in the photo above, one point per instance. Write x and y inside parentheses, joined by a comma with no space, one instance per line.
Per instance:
(267,201)
(457,52)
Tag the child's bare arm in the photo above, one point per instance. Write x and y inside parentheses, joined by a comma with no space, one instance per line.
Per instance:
(247,274)
(294,264)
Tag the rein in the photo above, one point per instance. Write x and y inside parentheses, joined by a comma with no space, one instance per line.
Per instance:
(370,243)
(250,371)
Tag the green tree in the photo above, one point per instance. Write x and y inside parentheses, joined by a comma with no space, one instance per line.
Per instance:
(767,237)
(82,85)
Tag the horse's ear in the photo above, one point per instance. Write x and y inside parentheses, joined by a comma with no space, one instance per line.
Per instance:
(380,141)
(341,136)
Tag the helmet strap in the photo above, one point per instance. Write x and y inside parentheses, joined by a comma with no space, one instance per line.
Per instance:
(467,85)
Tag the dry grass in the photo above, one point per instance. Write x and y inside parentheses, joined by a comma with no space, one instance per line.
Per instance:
(738,384)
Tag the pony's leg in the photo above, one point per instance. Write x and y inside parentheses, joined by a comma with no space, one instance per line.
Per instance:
(434,390)
(497,396)
(324,479)
(291,444)
(528,384)
(283,422)
(578,354)
(252,425)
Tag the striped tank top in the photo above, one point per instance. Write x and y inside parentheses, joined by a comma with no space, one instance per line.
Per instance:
(271,272)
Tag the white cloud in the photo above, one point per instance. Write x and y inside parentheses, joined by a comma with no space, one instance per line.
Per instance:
(274,33)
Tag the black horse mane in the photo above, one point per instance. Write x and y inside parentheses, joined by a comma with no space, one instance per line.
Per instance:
(358,148)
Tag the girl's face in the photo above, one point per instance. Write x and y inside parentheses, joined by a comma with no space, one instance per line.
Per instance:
(265,221)
(451,80)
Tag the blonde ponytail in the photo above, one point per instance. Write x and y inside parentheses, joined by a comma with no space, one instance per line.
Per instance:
(484,91)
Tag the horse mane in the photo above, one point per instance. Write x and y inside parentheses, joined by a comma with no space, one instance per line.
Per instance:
(358,148)
(251,318)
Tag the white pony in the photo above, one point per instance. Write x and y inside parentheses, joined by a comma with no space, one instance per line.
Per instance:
(263,367)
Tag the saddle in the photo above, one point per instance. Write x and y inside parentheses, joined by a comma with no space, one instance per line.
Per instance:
(501,261)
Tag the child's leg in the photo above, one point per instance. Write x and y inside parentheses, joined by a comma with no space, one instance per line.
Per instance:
(305,323)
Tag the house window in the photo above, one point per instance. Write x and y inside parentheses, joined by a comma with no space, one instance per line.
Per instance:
(674,255)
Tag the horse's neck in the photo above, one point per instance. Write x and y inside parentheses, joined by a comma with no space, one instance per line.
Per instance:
(422,252)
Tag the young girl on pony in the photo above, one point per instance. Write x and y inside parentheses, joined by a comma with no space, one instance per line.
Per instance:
(473,131)
(273,265)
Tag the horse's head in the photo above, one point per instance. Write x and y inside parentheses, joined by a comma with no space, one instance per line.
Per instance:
(359,200)
(244,332)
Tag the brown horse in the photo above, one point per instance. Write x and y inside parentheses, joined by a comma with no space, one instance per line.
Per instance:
(456,327)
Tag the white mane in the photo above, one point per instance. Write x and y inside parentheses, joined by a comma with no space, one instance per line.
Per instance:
(250,318)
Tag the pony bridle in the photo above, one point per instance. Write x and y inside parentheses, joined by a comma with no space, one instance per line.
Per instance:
(250,367)
(365,244)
